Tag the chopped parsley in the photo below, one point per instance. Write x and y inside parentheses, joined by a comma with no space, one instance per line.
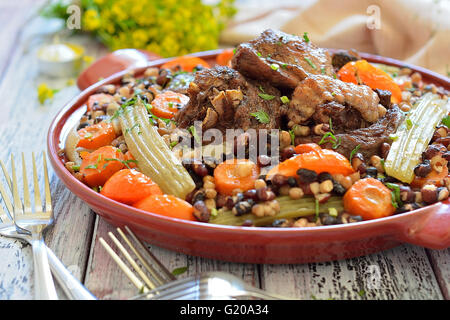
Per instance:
(265,95)
(305,37)
(446,121)
(259,54)
(393,137)
(330,137)
(193,131)
(178,271)
(291,133)
(76,168)
(409,124)
(284,65)
(274,66)
(261,116)
(354,151)
(284,99)
(395,194)
(173,144)
(125,162)
(322,70)
(310,62)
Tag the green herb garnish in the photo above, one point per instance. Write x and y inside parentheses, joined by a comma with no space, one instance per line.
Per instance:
(265,95)
(274,66)
(446,121)
(291,133)
(322,70)
(354,151)
(284,99)
(310,62)
(193,131)
(330,137)
(178,271)
(76,168)
(409,124)
(393,137)
(259,54)
(173,144)
(396,199)
(305,37)
(261,116)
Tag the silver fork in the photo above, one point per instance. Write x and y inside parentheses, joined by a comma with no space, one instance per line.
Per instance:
(208,285)
(23,224)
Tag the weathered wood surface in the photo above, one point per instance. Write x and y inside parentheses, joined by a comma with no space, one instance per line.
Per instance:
(405,272)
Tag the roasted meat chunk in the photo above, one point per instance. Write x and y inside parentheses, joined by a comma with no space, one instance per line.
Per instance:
(222,98)
(317,92)
(281,59)
(368,139)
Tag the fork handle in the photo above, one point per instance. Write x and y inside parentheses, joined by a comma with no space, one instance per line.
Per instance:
(45,288)
(71,286)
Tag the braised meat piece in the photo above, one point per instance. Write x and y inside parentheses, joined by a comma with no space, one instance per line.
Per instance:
(318,91)
(222,98)
(281,59)
(342,57)
(369,139)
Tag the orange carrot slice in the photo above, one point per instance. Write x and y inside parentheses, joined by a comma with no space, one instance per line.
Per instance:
(369,198)
(235,174)
(96,135)
(167,104)
(362,72)
(100,165)
(129,186)
(225,57)
(313,158)
(167,205)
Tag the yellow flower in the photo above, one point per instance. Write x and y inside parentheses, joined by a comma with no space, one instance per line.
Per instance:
(45,93)
(91,20)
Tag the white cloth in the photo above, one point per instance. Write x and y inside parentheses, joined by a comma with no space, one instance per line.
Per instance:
(415,31)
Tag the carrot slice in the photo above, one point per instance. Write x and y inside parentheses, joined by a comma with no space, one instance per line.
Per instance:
(129,186)
(167,103)
(100,98)
(363,72)
(369,198)
(100,165)
(314,158)
(186,63)
(225,57)
(235,174)
(307,147)
(433,177)
(167,205)
(96,135)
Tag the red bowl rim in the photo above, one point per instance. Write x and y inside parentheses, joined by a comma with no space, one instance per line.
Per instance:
(84,191)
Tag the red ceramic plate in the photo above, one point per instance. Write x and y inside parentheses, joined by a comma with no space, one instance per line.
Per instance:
(428,227)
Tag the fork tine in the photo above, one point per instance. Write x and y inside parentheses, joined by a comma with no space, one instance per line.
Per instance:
(26,192)
(7,201)
(37,193)
(135,280)
(5,173)
(48,197)
(146,265)
(15,191)
(165,273)
(139,271)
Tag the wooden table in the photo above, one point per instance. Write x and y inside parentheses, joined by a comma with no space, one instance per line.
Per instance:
(405,272)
